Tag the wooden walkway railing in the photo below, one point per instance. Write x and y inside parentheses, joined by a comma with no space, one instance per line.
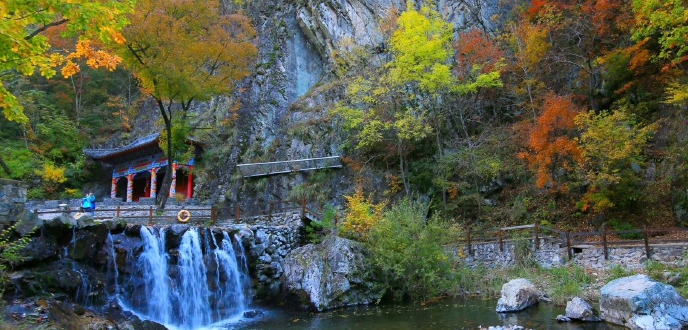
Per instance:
(298,165)
(201,215)
(576,240)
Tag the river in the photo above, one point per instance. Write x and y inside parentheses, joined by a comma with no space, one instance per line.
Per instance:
(448,314)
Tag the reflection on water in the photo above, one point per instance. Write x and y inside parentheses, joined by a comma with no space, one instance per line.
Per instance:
(448,314)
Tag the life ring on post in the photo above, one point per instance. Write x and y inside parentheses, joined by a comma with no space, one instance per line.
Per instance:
(183,216)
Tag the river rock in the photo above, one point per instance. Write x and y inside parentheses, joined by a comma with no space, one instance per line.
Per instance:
(638,302)
(330,274)
(579,309)
(517,295)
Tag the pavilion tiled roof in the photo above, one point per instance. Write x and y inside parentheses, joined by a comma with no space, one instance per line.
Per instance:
(142,142)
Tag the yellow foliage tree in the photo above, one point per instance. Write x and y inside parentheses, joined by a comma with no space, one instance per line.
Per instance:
(611,145)
(361,216)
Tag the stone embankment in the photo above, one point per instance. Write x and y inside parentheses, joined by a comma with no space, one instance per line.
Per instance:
(552,253)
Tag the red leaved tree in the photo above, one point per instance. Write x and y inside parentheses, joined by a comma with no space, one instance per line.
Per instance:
(552,147)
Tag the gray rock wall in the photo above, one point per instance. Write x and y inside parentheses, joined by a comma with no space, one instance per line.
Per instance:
(12,198)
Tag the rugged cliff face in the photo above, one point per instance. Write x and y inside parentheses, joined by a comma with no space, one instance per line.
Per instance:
(283,107)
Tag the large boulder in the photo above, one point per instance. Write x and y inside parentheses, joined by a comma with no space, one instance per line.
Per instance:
(638,302)
(579,309)
(330,274)
(517,295)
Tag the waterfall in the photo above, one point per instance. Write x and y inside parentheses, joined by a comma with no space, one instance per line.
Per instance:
(199,285)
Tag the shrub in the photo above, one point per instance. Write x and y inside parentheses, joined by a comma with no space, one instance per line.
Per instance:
(360,216)
(316,231)
(408,251)
(568,282)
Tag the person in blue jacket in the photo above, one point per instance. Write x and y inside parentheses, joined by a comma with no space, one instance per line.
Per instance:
(88,203)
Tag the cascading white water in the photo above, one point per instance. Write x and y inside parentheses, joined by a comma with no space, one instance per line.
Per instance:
(204,286)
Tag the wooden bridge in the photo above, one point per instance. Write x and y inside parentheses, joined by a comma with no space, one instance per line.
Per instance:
(298,165)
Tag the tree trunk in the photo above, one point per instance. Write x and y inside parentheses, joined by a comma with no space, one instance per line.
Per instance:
(4,166)
(164,191)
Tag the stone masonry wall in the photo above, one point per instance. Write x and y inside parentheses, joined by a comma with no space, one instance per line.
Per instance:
(268,245)
(553,254)
(548,255)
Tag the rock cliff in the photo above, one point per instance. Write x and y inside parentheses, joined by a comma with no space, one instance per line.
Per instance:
(283,107)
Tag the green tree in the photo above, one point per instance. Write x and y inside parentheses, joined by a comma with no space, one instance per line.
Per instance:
(664,20)
(407,249)
(185,51)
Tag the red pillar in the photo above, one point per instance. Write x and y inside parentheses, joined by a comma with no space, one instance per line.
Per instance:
(153,182)
(173,186)
(113,188)
(130,188)
(189,182)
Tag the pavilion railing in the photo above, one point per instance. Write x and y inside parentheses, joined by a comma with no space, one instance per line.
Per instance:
(211,216)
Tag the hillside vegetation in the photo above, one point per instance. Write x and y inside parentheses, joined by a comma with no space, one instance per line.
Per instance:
(572,113)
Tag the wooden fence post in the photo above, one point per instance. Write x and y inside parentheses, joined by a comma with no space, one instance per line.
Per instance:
(212,215)
(537,240)
(470,251)
(499,236)
(238,214)
(150,216)
(604,243)
(303,208)
(118,210)
(647,243)
(269,211)
(568,244)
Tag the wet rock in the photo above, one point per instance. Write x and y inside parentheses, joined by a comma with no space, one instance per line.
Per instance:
(252,313)
(562,318)
(330,274)
(638,302)
(517,295)
(579,309)
(39,249)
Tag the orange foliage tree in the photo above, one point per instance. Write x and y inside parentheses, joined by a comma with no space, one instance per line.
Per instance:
(184,51)
(551,143)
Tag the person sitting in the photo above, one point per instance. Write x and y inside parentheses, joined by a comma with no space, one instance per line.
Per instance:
(88,204)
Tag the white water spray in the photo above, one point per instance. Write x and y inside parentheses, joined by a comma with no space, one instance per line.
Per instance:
(204,286)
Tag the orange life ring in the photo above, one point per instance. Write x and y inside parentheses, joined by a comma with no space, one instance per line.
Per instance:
(183,216)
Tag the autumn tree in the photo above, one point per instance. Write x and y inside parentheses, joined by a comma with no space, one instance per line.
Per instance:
(25,45)
(553,148)
(184,51)
(402,107)
(611,146)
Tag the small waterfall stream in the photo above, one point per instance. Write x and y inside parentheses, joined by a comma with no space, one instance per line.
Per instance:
(199,285)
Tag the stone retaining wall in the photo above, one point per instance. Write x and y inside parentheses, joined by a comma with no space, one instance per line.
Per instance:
(629,257)
(553,254)
(270,246)
(489,255)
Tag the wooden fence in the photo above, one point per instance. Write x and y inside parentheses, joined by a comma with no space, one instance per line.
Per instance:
(212,215)
(578,240)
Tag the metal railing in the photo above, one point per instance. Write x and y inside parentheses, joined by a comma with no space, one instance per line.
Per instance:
(298,165)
